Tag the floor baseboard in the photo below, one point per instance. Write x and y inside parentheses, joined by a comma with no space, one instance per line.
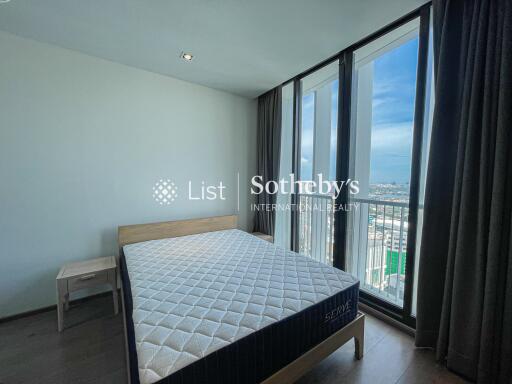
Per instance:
(52,307)
(395,323)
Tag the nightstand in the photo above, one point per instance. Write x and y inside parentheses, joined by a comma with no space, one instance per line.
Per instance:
(263,236)
(85,274)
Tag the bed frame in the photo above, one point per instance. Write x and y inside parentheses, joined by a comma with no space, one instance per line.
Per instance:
(143,232)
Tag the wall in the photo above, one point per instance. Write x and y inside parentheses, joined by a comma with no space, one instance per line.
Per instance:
(82,142)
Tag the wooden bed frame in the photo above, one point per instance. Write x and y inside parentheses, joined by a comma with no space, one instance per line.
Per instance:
(143,232)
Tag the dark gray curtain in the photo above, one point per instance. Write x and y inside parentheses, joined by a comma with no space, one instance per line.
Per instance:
(465,272)
(268,152)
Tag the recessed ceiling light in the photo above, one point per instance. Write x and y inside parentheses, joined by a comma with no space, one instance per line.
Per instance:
(187,56)
(4,1)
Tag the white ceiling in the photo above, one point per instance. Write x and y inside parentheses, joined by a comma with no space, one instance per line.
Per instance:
(241,46)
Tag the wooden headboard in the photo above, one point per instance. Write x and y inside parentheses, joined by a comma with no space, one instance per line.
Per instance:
(129,234)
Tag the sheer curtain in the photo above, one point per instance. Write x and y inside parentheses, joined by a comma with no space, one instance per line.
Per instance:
(282,235)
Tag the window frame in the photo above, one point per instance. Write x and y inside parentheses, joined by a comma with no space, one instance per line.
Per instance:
(345,60)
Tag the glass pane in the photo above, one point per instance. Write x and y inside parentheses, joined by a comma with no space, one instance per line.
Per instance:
(425,149)
(307,131)
(282,234)
(319,122)
(382,115)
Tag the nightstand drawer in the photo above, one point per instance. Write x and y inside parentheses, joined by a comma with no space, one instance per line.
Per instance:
(88,280)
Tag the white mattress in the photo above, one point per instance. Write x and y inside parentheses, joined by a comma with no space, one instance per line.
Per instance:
(193,295)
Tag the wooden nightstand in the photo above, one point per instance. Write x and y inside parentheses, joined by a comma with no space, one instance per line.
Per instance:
(263,236)
(85,274)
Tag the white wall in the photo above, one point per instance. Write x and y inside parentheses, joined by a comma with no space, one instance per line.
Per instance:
(83,140)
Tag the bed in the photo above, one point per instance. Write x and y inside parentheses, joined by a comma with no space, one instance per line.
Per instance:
(204,302)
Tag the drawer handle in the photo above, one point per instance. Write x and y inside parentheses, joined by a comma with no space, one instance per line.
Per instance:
(88,277)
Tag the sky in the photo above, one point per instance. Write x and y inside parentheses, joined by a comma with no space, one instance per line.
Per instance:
(394,87)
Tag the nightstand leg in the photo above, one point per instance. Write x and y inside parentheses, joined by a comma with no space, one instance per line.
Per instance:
(60,315)
(66,303)
(113,283)
(116,304)
(61,298)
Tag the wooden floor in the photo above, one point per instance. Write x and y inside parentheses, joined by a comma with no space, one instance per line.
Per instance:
(91,350)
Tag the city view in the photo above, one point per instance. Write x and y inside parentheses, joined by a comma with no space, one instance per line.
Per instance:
(385,239)
(379,232)
(390,192)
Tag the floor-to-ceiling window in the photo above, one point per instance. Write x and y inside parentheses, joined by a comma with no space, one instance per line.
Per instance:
(364,116)
(318,138)
(381,130)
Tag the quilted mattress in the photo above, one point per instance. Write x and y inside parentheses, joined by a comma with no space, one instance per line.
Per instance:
(226,307)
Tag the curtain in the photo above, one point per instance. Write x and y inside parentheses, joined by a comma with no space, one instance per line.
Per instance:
(283,220)
(268,153)
(465,272)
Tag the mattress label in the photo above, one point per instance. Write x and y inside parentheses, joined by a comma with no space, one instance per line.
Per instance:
(338,311)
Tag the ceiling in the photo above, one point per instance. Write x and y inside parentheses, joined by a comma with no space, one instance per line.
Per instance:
(239,46)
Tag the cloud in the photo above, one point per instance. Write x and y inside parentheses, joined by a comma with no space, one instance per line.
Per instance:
(308,101)
(394,138)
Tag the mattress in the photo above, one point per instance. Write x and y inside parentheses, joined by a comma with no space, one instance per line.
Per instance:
(226,307)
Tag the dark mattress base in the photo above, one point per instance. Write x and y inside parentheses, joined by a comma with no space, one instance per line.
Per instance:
(259,355)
